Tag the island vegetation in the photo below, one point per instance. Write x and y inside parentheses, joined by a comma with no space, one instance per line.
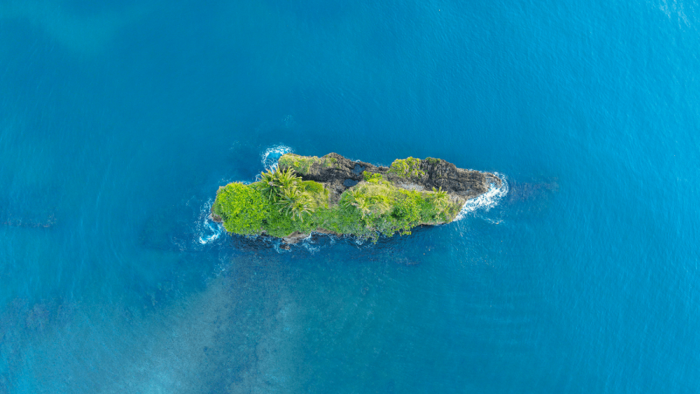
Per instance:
(334,195)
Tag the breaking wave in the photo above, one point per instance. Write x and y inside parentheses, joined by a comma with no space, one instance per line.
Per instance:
(487,200)
(272,155)
(208,230)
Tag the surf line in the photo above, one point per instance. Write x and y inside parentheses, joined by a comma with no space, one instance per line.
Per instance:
(487,200)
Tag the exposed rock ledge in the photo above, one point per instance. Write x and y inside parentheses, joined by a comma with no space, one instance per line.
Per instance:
(336,170)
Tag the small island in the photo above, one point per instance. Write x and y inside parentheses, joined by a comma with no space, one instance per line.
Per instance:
(336,195)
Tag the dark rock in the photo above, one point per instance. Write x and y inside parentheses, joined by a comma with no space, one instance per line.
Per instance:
(437,173)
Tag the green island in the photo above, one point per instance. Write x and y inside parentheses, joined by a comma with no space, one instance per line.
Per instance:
(335,195)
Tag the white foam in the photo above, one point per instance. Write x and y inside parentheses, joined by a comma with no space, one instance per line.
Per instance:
(485,201)
(276,244)
(272,155)
(307,243)
(208,230)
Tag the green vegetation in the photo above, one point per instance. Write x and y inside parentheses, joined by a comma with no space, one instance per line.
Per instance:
(243,208)
(274,185)
(282,203)
(406,168)
(329,161)
(303,164)
(373,178)
(279,204)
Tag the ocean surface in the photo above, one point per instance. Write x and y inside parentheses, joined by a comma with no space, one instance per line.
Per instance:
(120,119)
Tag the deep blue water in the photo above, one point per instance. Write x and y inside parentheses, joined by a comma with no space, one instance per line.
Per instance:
(119,120)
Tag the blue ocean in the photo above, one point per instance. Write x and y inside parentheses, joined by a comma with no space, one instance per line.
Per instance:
(120,119)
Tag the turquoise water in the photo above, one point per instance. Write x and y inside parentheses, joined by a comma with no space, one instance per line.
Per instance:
(119,120)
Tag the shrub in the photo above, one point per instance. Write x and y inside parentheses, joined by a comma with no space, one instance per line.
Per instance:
(372,178)
(242,208)
(406,167)
(329,162)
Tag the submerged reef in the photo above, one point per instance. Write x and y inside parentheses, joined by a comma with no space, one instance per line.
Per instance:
(336,195)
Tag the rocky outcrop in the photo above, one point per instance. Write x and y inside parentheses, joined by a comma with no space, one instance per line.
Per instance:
(340,173)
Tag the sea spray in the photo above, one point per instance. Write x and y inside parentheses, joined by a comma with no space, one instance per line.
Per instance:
(485,201)
(207,230)
(272,155)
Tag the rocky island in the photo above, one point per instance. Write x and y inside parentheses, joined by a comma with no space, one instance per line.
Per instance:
(336,195)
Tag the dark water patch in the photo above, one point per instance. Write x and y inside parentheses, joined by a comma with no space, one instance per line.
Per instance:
(350,182)
(162,286)
(23,322)
(251,244)
(37,208)
(316,243)
(46,222)
(524,191)
(44,314)
(251,338)
(531,198)
(358,169)
(284,310)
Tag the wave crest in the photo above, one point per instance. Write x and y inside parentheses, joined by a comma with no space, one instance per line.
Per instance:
(487,200)
(208,230)
(272,155)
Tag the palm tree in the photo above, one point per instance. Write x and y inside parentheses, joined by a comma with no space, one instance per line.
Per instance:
(286,178)
(294,203)
(439,193)
(439,200)
(273,183)
(362,205)
(267,186)
(355,199)
(348,198)
(300,209)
